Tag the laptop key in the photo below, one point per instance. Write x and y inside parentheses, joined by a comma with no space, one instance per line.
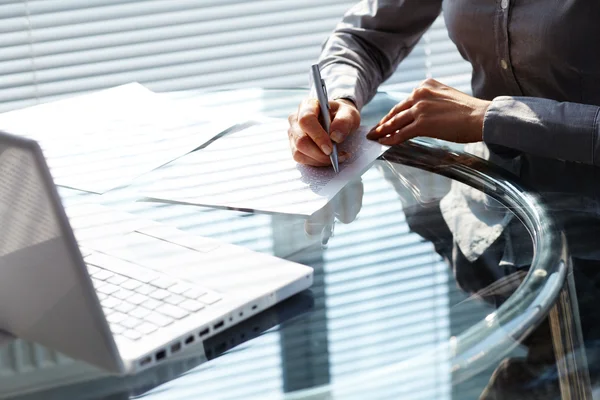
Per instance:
(116,318)
(97,283)
(109,288)
(125,307)
(163,283)
(192,305)
(151,304)
(92,269)
(123,294)
(110,302)
(179,288)
(139,312)
(137,299)
(131,322)
(160,294)
(131,334)
(172,311)
(194,292)
(146,328)
(131,284)
(159,319)
(145,289)
(117,329)
(209,298)
(117,279)
(174,299)
(101,296)
(102,274)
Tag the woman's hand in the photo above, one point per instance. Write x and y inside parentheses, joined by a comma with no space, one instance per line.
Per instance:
(309,142)
(435,110)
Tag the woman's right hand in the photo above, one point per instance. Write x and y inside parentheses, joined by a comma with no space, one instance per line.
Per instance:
(309,142)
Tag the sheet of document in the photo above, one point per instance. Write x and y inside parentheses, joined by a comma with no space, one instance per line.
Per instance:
(253,169)
(101,141)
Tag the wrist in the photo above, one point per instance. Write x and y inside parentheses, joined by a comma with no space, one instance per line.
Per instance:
(348,101)
(480,118)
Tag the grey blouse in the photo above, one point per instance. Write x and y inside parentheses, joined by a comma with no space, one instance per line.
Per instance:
(538,60)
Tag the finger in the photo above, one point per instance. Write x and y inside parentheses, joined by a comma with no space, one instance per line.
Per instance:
(306,160)
(305,151)
(303,158)
(431,83)
(404,105)
(399,121)
(302,143)
(408,132)
(308,120)
(346,120)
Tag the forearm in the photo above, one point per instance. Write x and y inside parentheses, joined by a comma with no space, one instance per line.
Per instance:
(546,128)
(370,42)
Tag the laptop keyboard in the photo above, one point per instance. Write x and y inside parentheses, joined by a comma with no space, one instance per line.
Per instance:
(137,301)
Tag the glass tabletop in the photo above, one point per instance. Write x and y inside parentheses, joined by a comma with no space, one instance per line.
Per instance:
(436,275)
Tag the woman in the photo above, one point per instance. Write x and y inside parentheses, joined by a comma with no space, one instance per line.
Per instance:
(534,110)
(536,86)
(536,79)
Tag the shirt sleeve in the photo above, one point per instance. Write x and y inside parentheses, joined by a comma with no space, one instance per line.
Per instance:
(369,43)
(545,128)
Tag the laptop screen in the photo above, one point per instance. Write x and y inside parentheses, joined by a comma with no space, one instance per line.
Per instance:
(26,215)
(45,293)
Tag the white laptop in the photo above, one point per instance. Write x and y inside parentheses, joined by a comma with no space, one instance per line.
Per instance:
(128,293)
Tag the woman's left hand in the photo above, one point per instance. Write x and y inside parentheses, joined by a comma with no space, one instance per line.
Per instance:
(435,110)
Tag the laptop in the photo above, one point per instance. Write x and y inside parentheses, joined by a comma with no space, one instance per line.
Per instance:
(52,381)
(122,294)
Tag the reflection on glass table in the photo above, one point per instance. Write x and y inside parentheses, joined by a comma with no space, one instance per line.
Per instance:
(435,274)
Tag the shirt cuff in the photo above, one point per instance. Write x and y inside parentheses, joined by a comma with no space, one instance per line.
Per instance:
(546,128)
(343,82)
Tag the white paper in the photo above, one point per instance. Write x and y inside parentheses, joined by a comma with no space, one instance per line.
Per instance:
(253,169)
(104,140)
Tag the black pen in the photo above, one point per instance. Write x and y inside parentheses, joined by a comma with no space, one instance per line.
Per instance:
(325,118)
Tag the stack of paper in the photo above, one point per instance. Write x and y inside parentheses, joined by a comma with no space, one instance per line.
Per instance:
(104,140)
(253,170)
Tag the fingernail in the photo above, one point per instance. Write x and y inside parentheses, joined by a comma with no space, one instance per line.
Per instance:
(337,136)
(326,149)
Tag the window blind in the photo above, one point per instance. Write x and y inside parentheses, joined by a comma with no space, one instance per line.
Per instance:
(57,48)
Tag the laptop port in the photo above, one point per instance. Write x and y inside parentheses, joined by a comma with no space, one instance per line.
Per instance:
(203,332)
(189,340)
(145,361)
(161,355)
(175,347)
(254,307)
(219,324)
